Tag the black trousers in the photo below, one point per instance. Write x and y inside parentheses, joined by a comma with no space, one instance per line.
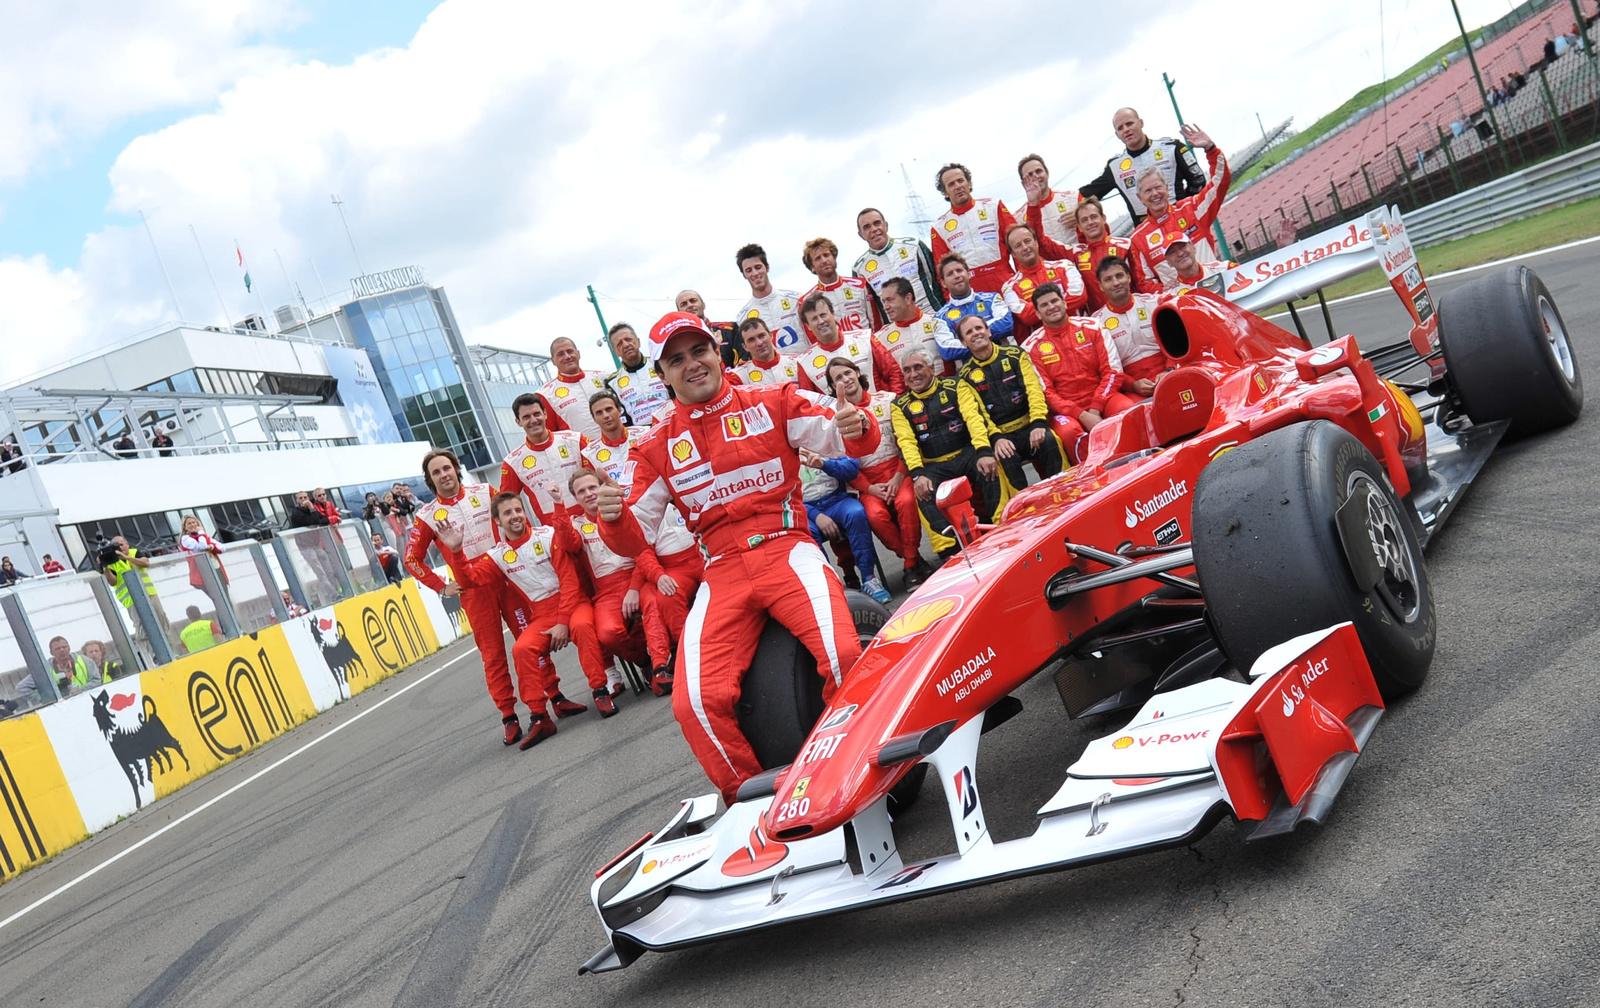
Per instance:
(1047,459)
(965,464)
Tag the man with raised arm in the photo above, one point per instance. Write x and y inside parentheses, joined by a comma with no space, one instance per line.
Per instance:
(545,458)
(1189,218)
(942,436)
(569,391)
(1173,159)
(972,227)
(884,483)
(467,508)
(729,458)
(886,258)
(829,340)
(526,565)
(639,391)
(779,309)
(987,305)
(1050,211)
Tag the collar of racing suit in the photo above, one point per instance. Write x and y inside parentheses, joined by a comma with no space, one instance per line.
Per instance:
(913,320)
(1141,150)
(617,443)
(514,543)
(959,210)
(580,376)
(549,438)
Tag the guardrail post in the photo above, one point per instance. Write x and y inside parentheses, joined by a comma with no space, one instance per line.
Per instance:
(280,612)
(111,611)
(133,584)
(1367,176)
(28,644)
(1338,207)
(1405,170)
(1311,218)
(1555,113)
(219,597)
(334,551)
(291,577)
(1263,225)
(1449,157)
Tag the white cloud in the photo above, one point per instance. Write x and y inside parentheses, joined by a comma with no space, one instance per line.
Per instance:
(521,151)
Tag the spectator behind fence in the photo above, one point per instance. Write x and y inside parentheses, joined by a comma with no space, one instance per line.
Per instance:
(162,442)
(373,508)
(9,575)
(314,548)
(102,655)
(74,672)
(125,448)
(388,559)
(10,457)
(117,558)
(52,566)
(200,633)
(203,550)
(294,608)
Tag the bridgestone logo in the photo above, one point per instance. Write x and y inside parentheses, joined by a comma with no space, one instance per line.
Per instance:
(1140,510)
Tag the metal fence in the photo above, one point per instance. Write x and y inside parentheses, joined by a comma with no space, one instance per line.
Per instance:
(1555,111)
(66,634)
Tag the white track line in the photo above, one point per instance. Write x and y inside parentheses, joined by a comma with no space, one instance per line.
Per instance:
(1457,272)
(113,859)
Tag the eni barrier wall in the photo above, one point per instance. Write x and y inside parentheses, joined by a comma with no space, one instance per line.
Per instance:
(79,765)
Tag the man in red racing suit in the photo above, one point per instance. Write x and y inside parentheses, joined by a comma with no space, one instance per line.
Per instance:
(467,507)
(1074,365)
(728,457)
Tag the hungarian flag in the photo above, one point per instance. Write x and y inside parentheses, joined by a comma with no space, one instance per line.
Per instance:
(242,266)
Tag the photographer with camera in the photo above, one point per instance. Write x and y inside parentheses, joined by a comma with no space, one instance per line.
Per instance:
(116,559)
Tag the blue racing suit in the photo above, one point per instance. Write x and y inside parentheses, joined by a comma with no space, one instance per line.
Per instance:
(825,493)
(990,307)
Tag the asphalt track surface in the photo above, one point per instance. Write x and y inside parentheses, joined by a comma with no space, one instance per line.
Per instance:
(413,861)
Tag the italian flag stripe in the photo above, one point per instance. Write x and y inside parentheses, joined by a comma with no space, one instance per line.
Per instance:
(1377,412)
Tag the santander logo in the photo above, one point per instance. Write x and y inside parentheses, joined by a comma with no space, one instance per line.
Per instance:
(1240,282)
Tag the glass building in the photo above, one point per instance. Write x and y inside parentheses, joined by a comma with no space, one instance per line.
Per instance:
(422,365)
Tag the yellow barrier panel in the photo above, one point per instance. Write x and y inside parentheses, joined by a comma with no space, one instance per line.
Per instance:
(39,816)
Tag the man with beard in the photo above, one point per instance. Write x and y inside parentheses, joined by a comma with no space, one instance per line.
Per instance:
(855,303)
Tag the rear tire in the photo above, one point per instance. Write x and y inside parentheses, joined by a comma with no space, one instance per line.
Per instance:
(781,695)
(1507,353)
(1273,563)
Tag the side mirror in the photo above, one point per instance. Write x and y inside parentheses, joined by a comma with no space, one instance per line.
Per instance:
(954,498)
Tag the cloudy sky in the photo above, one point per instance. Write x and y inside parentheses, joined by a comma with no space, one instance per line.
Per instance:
(518,151)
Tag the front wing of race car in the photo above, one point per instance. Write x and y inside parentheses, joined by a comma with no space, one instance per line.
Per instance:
(1188,758)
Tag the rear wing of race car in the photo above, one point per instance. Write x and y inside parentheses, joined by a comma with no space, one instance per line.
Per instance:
(1376,240)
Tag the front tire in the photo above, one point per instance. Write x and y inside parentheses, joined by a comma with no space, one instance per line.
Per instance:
(1507,354)
(1275,560)
(781,695)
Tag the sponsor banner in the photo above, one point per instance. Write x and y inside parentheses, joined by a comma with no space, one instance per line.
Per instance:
(40,816)
(355,644)
(363,398)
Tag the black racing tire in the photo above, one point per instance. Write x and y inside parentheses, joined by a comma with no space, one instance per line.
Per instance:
(1272,560)
(780,697)
(1507,354)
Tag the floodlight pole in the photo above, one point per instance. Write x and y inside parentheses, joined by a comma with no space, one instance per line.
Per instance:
(605,333)
(1483,93)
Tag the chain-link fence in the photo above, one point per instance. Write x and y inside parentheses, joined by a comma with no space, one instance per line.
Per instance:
(1544,100)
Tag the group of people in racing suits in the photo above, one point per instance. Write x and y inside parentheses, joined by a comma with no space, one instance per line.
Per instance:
(655,513)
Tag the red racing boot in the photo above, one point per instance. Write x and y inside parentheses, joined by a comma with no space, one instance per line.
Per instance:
(513,728)
(539,729)
(565,707)
(603,702)
(661,681)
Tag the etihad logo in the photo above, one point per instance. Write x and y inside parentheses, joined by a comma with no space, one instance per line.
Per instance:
(910,622)
(1141,510)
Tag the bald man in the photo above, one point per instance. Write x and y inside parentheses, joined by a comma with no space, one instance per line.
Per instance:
(569,391)
(733,351)
(1173,158)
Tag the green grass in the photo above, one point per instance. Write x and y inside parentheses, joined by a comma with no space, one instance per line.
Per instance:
(1553,227)
(1361,99)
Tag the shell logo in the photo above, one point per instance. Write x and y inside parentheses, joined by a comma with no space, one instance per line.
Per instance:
(528,461)
(755,376)
(1026,284)
(977,374)
(441,514)
(1047,347)
(1123,742)
(916,406)
(950,225)
(909,623)
(1112,323)
(819,360)
(622,382)
(872,264)
(604,455)
(588,528)
(649,866)
(682,449)
(509,556)
(563,392)
(894,337)
(1127,163)
(752,313)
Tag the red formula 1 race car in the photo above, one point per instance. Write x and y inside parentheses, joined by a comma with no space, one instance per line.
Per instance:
(1238,561)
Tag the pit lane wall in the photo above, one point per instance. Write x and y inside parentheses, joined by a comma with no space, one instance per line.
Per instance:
(71,769)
